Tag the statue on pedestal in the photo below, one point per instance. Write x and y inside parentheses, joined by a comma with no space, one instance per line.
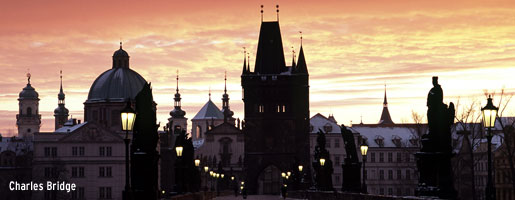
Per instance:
(434,158)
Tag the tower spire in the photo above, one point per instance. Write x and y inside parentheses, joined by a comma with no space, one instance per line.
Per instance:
(248,63)
(61,112)
(177,112)
(293,58)
(225,103)
(385,115)
(244,61)
(209,93)
(225,82)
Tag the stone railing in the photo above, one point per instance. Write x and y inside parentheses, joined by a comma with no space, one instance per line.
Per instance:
(198,196)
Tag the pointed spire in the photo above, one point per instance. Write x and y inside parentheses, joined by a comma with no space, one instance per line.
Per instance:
(385,115)
(225,82)
(293,59)
(248,63)
(60,96)
(177,112)
(301,64)
(385,102)
(209,93)
(244,61)
(277,10)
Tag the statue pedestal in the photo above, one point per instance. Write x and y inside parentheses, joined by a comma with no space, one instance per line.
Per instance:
(435,178)
(351,177)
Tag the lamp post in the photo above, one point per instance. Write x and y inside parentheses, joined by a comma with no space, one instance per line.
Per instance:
(178,150)
(128,117)
(489,113)
(364,150)
(197,162)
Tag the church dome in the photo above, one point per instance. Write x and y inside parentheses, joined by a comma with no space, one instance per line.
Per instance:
(118,83)
(28,91)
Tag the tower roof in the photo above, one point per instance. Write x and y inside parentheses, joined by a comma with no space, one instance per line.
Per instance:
(209,111)
(301,64)
(28,91)
(270,55)
(60,96)
(177,112)
(385,115)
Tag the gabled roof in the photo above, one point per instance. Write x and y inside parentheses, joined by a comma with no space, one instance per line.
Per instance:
(209,111)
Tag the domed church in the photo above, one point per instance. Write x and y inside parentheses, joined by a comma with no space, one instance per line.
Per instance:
(111,90)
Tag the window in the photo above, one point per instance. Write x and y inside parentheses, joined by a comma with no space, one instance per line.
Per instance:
(81,172)
(101,171)
(390,174)
(284,108)
(336,160)
(399,192)
(399,174)
(54,151)
(390,157)
(81,151)
(261,108)
(381,157)
(47,151)
(109,172)
(74,151)
(328,143)
(199,131)
(399,157)
(408,174)
(373,157)
(390,191)
(407,192)
(29,111)
(105,193)
(337,178)
(407,157)
(381,174)
(337,143)
(279,108)
(101,151)
(109,151)
(381,191)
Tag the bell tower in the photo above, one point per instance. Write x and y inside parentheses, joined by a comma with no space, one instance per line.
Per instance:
(61,112)
(28,119)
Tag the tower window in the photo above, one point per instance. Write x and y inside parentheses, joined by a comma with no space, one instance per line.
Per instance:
(29,112)
(284,108)
(199,131)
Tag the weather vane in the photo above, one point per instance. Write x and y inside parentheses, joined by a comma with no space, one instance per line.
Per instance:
(261,13)
(277,6)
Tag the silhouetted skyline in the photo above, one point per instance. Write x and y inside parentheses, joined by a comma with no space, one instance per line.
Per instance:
(352,48)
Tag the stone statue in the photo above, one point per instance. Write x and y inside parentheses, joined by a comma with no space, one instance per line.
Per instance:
(434,158)
(351,168)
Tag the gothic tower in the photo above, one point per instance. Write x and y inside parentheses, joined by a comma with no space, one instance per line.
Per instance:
(61,112)
(276,106)
(28,120)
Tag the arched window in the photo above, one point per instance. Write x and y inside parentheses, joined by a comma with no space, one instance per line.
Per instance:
(199,131)
(29,111)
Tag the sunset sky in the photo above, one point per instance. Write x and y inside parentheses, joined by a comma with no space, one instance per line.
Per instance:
(352,49)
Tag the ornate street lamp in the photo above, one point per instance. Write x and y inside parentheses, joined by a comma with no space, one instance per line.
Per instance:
(210,173)
(322,162)
(283,174)
(128,117)
(206,168)
(489,117)
(179,149)
(288,173)
(232,178)
(222,175)
(197,162)
(364,150)
(300,168)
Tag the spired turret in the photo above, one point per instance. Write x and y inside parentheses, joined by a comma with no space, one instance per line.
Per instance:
(61,112)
